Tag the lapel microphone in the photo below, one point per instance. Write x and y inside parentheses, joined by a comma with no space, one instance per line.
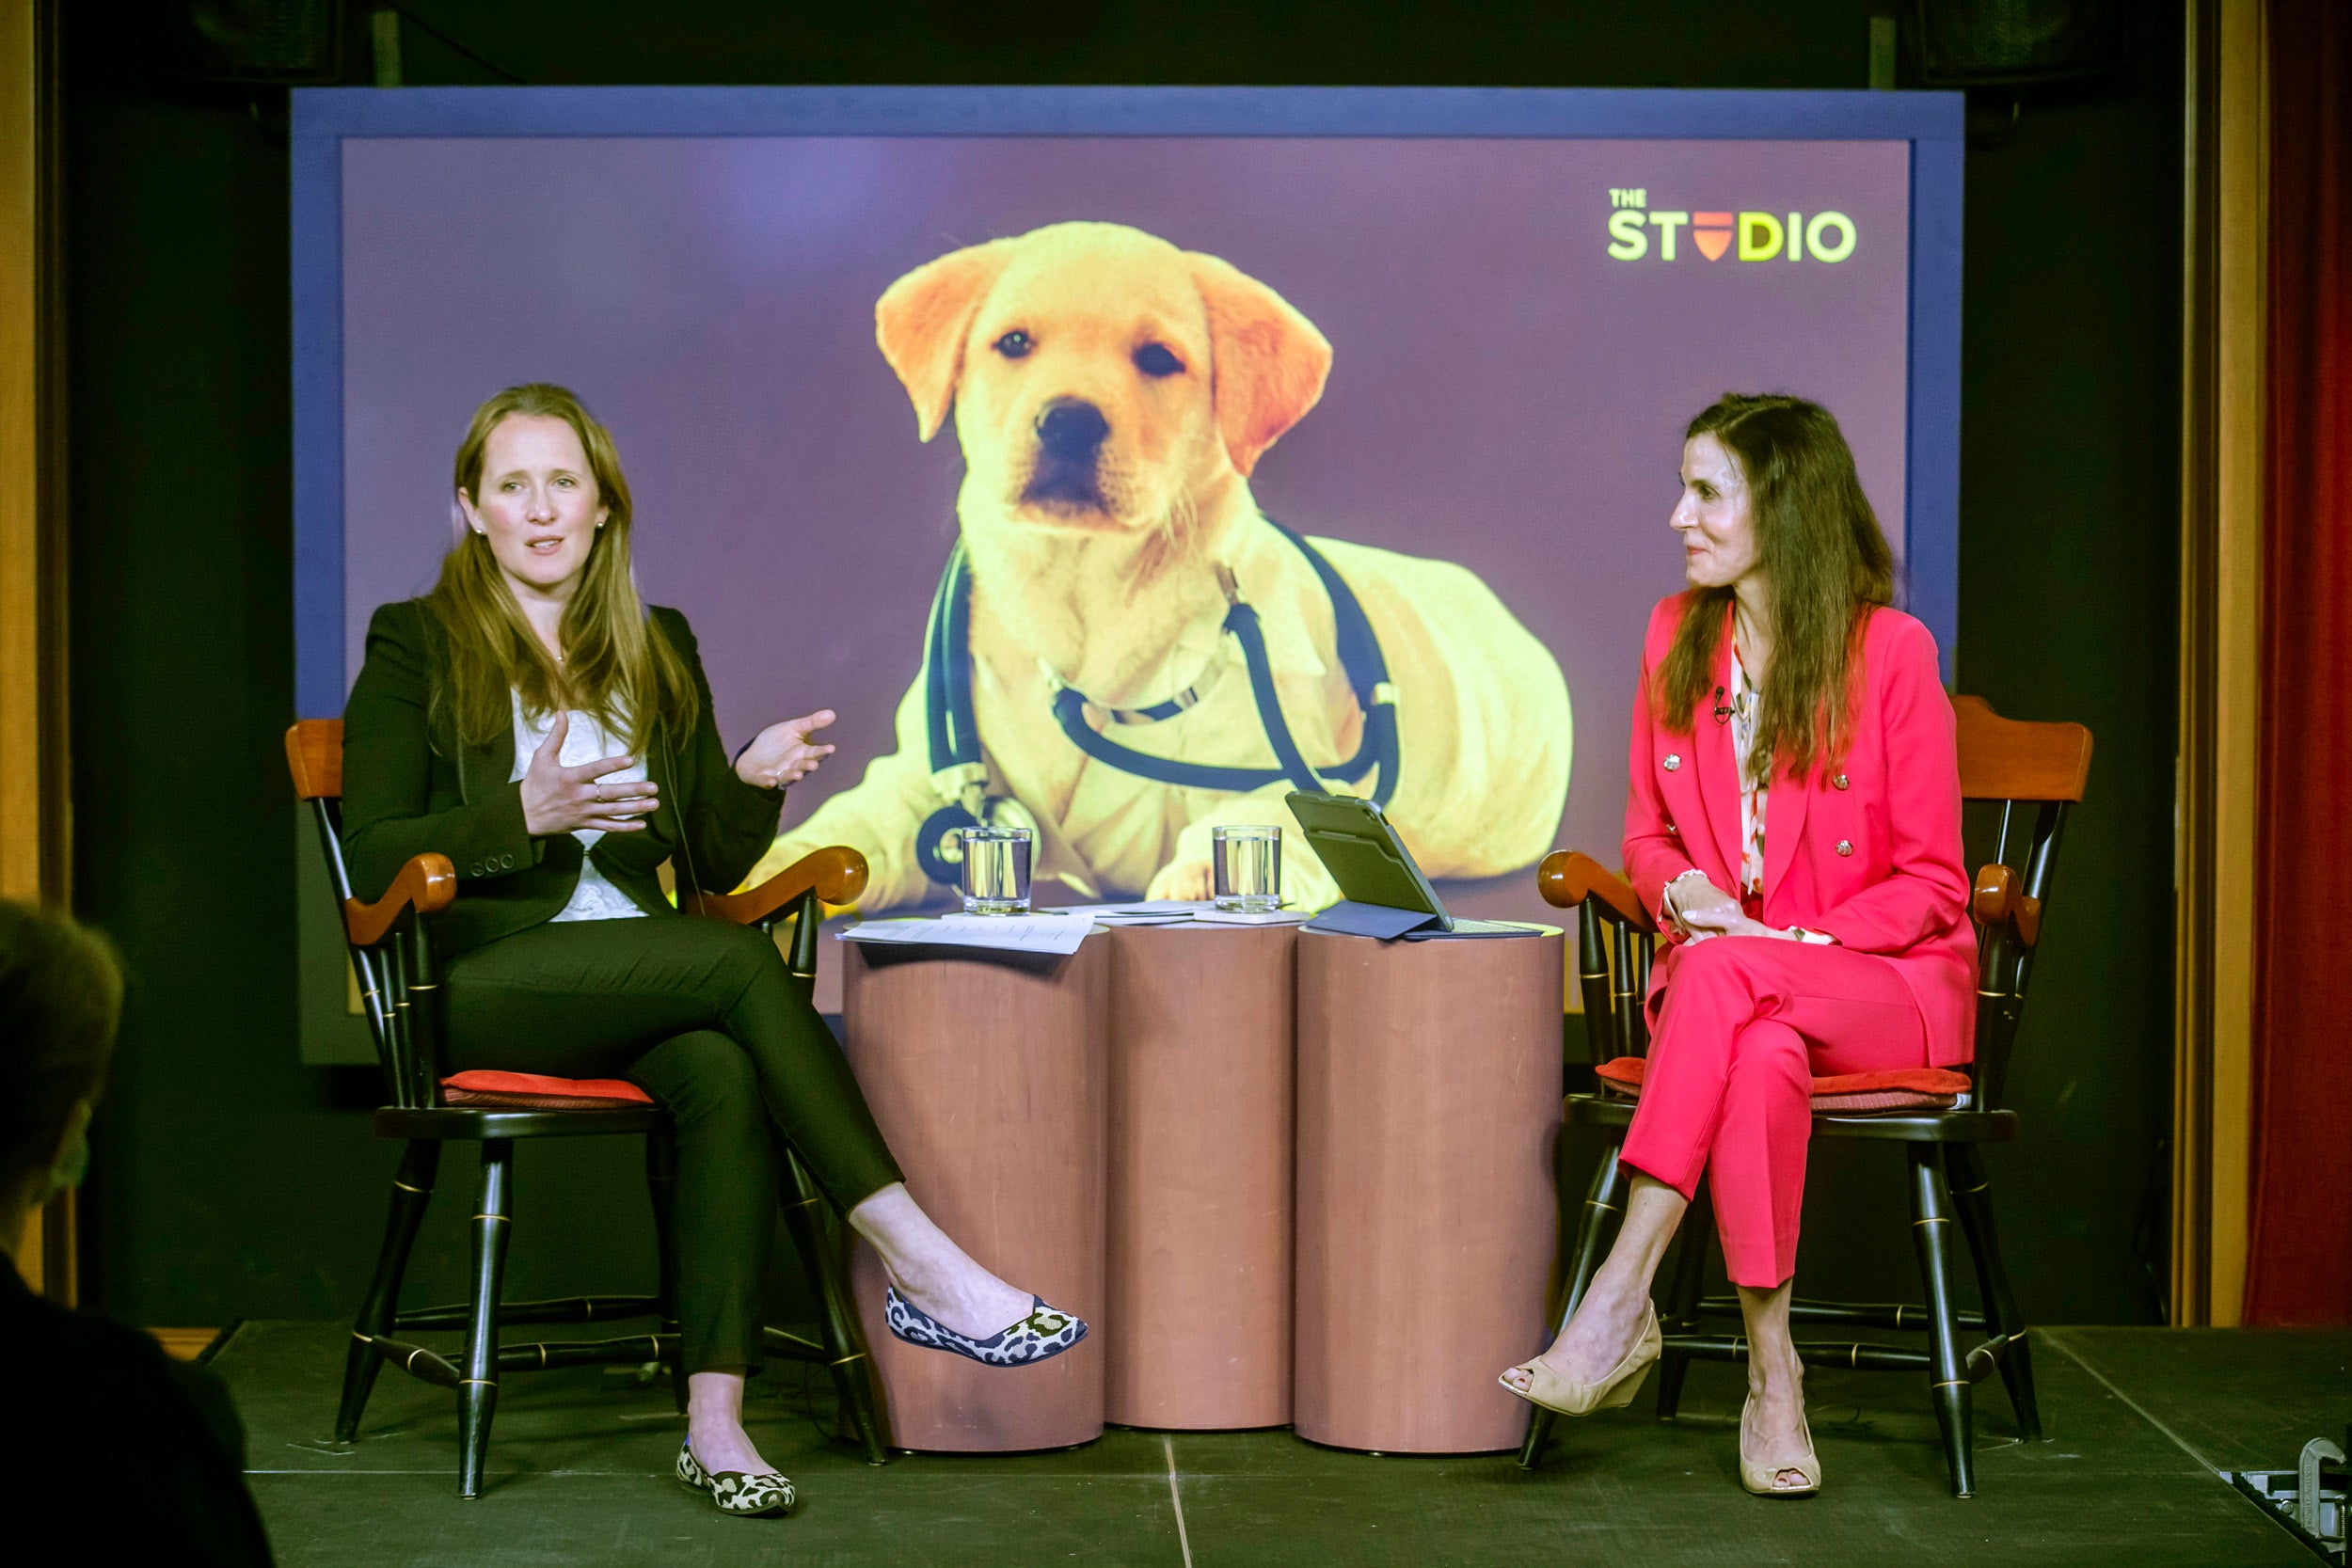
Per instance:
(1723,710)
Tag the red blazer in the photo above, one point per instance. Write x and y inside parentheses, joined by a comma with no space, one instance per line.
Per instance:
(1866,848)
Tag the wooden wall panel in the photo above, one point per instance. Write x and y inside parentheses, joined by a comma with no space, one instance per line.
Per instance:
(2221,484)
(33,826)
(19,553)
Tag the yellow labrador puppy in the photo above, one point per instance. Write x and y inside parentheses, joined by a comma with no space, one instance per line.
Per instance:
(1112,394)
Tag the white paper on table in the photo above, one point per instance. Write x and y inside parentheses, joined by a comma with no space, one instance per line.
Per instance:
(1237,917)
(911,928)
(1011,933)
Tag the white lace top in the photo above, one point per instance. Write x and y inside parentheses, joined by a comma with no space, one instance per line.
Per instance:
(594,897)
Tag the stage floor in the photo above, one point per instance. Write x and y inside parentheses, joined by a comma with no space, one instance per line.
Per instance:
(2139,1421)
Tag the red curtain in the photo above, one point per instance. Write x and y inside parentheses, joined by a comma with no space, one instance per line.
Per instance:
(2301,1240)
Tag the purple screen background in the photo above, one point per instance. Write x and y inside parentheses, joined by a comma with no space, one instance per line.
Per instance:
(1503,394)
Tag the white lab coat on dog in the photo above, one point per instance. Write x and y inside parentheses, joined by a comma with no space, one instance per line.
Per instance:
(1484,740)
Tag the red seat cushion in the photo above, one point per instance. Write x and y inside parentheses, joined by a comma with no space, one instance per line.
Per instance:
(1845,1094)
(530,1091)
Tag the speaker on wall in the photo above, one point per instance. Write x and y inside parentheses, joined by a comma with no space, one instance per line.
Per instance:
(1965,43)
(288,41)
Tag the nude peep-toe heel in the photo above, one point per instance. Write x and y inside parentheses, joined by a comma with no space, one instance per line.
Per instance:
(1615,1392)
(1759,1477)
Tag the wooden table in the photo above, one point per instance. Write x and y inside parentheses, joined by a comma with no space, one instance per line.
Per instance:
(1429,1085)
(990,1076)
(1198,1328)
(1119,1131)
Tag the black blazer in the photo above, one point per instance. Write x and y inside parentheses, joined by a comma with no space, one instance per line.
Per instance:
(408,788)
(72,1384)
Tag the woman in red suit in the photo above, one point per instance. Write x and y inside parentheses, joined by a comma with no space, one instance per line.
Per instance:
(1793,826)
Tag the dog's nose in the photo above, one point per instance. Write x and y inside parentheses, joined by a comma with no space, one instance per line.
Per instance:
(1071,428)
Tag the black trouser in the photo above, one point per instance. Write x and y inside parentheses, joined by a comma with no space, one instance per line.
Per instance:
(704,1016)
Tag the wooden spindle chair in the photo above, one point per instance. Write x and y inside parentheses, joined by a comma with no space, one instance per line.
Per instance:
(2033,772)
(390,942)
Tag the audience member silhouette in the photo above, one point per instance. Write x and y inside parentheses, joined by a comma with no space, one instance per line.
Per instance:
(109,1444)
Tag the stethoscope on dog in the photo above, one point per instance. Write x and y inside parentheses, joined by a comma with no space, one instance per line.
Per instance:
(960,777)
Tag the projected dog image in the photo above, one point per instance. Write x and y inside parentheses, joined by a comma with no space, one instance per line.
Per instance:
(1125,651)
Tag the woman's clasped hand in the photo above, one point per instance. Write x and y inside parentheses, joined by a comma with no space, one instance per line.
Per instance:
(562,799)
(1701,910)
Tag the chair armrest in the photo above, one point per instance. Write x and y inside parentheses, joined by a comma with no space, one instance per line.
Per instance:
(836,875)
(1567,877)
(1997,901)
(427,883)
(314,755)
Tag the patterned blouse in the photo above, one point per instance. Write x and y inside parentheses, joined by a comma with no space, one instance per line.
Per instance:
(1746,702)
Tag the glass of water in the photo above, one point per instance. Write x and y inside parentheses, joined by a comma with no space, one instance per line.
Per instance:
(996,870)
(1249,861)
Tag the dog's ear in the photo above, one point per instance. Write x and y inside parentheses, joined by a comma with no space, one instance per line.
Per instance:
(921,321)
(1271,362)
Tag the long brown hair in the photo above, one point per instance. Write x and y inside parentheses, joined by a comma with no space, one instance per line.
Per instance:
(614,667)
(1825,565)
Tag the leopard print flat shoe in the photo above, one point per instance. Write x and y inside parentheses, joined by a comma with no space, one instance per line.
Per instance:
(734,1491)
(1045,1331)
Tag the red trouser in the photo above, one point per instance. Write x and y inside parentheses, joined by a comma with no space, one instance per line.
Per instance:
(1744,1025)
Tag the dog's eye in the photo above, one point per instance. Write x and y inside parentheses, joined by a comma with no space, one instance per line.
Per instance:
(1014,345)
(1153,360)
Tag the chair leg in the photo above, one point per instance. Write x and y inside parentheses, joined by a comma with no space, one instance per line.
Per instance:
(1947,1375)
(1682,1302)
(412,1192)
(662,1185)
(845,1338)
(1972,1198)
(478,1389)
(1602,1205)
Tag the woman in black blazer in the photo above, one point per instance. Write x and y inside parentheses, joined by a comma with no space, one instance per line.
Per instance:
(528,720)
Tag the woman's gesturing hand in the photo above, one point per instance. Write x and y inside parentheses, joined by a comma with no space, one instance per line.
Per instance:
(783,753)
(560,799)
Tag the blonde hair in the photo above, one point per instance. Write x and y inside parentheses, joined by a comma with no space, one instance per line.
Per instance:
(1826,565)
(614,667)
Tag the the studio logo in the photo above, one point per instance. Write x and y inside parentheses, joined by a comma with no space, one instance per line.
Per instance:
(1760,236)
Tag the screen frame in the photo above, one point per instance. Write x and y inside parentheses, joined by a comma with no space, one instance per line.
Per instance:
(324,118)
